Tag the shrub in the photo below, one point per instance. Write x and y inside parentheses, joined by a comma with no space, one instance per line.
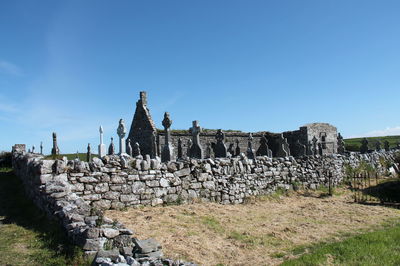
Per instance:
(5,159)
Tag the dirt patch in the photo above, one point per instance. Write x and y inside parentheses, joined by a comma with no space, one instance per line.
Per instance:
(261,232)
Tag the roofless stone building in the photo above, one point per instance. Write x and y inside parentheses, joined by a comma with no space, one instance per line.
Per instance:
(310,139)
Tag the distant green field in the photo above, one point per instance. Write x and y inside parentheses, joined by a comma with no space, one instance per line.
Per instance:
(72,156)
(354,144)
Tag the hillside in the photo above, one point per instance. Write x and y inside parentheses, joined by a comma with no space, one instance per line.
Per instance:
(355,143)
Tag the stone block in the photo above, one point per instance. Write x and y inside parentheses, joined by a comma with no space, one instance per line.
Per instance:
(88,179)
(110,232)
(101,188)
(164,182)
(182,172)
(128,198)
(111,195)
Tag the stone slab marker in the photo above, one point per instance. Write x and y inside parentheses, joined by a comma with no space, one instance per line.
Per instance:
(129,148)
(55,150)
(195,150)
(111,148)
(89,153)
(315,145)
(102,146)
(364,146)
(283,147)
(167,152)
(220,148)
(250,151)
(180,153)
(41,147)
(121,131)
(237,150)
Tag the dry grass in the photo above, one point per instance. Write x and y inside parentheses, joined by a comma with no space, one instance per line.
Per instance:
(261,232)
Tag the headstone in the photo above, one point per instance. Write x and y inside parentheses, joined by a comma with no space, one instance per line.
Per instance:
(283,147)
(309,148)
(89,153)
(154,150)
(340,144)
(250,151)
(102,146)
(315,145)
(387,146)
(129,147)
(237,151)
(167,151)
(263,150)
(33,148)
(320,151)
(195,150)
(378,145)
(121,131)
(301,149)
(220,148)
(136,149)
(364,146)
(55,150)
(231,152)
(41,147)
(188,145)
(180,153)
(111,148)
(208,150)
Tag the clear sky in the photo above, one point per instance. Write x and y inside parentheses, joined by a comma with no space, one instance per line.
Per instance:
(70,66)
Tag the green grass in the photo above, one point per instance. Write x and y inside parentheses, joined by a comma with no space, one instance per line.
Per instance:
(27,236)
(71,156)
(381,247)
(354,144)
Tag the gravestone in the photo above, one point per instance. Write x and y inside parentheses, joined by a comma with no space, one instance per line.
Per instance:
(364,145)
(167,152)
(33,148)
(41,147)
(89,153)
(208,150)
(154,151)
(378,145)
(102,146)
(386,145)
(315,145)
(237,151)
(111,148)
(231,152)
(283,147)
(121,131)
(301,149)
(220,148)
(55,150)
(188,145)
(320,152)
(340,143)
(263,150)
(136,149)
(180,153)
(250,151)
(195,150)
(129,148)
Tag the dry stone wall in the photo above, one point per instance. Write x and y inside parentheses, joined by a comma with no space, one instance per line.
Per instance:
(74,192)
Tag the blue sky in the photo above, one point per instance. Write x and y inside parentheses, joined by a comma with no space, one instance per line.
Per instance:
(70,66)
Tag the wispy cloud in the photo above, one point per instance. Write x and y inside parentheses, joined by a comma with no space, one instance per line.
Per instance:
(10,68)
(389,131)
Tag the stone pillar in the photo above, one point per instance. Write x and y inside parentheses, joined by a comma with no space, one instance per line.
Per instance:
(167,152)
(41,147)
(237,150)
(89,153)
(195,150)
(102,146)
(55,150)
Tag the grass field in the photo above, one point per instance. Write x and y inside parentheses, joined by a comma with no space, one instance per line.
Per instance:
(354,144)
(27,237)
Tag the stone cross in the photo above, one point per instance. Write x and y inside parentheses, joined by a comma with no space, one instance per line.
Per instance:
(195,150)
(121,131)
(340,144)
(378,145)
(136,149)
(180,153)
(364,146)
(129,147)
(111,148)
(315,145)
(220,148)
(250,151)
(386,145)
(89,153)
(237,151)
(167,152)
(102,146)
(283,147)
(263,150)
(41,147)
(55,150)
